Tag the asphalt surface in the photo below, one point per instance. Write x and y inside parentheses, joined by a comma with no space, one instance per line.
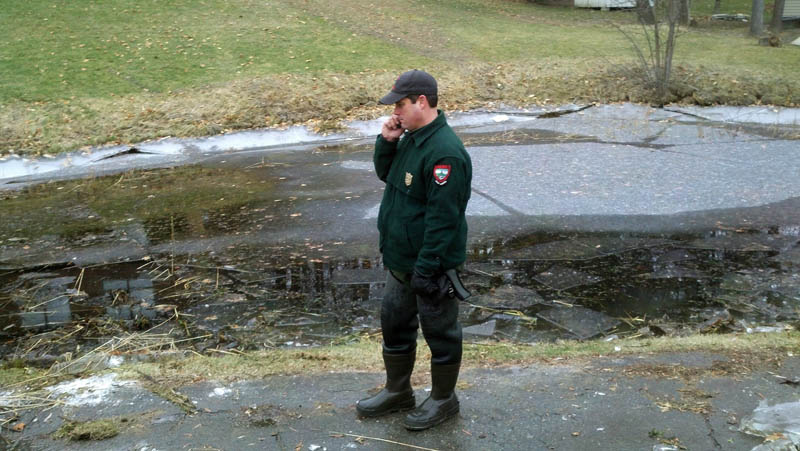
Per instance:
(696,400)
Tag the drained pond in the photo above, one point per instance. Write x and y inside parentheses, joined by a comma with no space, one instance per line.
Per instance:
(534,288)
(606,223)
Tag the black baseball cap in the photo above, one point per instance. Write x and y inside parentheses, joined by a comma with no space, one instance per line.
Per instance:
(413,82)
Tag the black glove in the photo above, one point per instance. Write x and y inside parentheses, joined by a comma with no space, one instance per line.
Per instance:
(431,288)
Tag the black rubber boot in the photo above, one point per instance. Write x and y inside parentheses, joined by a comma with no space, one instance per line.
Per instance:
(441,404)
(397,394)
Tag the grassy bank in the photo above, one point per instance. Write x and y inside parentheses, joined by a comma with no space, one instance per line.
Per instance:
(86,73)
(365,356)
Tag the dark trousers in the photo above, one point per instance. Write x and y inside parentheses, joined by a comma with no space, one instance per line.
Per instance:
(402,312)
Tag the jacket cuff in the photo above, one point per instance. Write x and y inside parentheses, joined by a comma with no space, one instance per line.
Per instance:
(426,270)
(384,143)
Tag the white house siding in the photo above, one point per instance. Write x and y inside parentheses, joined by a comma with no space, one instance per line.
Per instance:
(791,9)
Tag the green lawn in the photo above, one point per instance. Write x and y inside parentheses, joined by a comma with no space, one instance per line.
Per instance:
(80,72)
(70,49)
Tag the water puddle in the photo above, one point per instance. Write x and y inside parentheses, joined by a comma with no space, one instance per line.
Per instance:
(541,287)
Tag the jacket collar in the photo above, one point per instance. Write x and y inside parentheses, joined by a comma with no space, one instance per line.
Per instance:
(420,135)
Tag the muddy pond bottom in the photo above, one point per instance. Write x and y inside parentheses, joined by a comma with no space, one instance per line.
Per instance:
(540,287)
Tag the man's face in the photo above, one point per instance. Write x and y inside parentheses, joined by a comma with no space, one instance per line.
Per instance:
(409,114)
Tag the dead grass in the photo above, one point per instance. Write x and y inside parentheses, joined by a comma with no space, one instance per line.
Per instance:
(322,102)
(88,430)
(317,66)
(743,353)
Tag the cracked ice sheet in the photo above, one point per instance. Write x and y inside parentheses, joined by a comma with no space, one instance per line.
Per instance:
(477,206)
(576,179)
(642,131)
(757,115)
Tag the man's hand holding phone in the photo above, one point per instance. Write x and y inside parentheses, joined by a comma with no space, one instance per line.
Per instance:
(392,130)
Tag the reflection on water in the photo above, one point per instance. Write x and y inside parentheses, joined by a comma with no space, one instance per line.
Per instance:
(41,301)
(539,287)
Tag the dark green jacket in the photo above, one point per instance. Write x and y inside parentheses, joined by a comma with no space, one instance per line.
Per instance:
(421,221)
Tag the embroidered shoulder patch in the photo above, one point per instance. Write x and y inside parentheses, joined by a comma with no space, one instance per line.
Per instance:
(440,173)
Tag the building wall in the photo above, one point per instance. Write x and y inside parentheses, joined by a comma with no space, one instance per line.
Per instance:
(791,8)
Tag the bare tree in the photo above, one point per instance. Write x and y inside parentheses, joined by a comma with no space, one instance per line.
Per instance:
(777,17)
(757,18)
(685,14)
(659,21)
(717,4)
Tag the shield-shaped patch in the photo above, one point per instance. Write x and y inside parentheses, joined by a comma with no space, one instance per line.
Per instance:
(440,173)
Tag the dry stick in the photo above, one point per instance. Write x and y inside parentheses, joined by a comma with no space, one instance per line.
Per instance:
(177,295)
(117,182)
(34,346)
(172,243)
(479,272)
(174,342)
(383,440)
(180,281)
(516,313)
(77,329)
(80,281)
(108,344)
(47,302)
(166,271)
(145,264)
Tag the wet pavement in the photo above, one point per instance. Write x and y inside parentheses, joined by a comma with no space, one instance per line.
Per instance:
(615,219)
(634,402)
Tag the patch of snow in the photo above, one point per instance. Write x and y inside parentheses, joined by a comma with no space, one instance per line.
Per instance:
(90,391)
(220,392)
(115,361)
(7,399)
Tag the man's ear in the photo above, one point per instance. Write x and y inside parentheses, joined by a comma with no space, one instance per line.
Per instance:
(424,97)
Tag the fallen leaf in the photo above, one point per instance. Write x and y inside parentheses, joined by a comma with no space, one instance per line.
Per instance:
(18,427)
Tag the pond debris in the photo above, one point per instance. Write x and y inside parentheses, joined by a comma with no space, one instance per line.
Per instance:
(779,424)
(511,297)
(486,329)
(581,322)
(12,405)
(562,278)
(246,298)
(720,321)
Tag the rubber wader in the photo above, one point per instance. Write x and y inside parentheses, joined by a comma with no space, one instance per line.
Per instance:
(397,394)
(442,402)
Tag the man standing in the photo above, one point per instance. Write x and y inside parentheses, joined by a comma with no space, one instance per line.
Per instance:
(423,232)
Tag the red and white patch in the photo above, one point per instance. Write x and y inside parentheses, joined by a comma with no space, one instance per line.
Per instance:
(441,173)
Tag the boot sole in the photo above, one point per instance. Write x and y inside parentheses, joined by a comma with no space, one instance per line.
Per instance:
(408,405)
(421,427)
